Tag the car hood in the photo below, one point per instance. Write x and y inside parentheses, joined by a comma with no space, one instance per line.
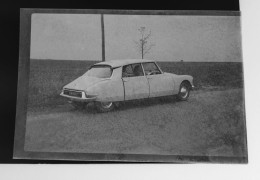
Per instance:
(83,82)
(170,74)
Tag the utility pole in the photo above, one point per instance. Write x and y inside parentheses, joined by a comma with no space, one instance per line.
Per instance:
(103,37)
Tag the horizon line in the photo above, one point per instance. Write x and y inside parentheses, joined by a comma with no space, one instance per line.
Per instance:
(135,58)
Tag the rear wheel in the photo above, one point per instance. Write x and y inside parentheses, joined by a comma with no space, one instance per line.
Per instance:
(184,91)
(105,106)
(78,105)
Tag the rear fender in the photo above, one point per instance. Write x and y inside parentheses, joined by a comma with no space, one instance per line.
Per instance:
(107,91)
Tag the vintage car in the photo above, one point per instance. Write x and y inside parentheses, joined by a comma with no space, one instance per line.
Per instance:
(111,82)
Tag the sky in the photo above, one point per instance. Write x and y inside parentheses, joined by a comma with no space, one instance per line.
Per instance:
(176,37)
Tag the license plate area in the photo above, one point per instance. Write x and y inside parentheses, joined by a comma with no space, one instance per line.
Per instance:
(72,93)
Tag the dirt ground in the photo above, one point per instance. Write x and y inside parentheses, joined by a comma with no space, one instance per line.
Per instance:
(210,123)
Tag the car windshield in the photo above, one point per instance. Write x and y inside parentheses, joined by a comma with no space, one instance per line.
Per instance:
(99,71)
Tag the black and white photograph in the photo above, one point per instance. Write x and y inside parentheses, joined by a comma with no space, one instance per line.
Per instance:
(131,86)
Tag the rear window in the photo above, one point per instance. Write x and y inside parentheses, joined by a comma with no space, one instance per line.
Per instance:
(100,71)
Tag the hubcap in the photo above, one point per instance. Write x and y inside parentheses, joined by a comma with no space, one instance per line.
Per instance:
(106,104)
(184,92)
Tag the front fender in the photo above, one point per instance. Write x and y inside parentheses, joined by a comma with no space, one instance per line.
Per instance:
(178,79)
(181,78)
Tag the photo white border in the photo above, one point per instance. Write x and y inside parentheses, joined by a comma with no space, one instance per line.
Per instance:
(250,41)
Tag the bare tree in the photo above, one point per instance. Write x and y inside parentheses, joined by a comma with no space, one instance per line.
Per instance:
(143,45)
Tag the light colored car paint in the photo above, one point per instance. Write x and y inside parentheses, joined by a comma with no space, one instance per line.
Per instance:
(136,87)
(118,88)
(160,85)
(83,82)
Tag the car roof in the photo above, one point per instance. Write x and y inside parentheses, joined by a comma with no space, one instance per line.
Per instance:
(123,62)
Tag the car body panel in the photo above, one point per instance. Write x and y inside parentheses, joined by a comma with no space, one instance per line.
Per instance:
(83,82)
(116,88)
(107,91)
(178,79)
(136,87)
(160,84)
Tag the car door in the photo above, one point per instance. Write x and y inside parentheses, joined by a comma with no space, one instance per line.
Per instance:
(135,83)
(160,84)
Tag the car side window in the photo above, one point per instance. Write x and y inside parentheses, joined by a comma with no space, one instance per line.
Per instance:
(132,70)
(137,69)
(127,71)
(151,69)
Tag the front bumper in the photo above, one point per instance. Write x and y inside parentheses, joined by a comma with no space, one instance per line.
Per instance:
(83,97)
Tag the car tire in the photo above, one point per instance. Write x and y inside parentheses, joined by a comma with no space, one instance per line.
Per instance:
(105,106)
(78,105)
(184,91)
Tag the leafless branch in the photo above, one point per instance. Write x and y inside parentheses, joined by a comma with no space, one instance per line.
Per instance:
(142,44)
(148,48)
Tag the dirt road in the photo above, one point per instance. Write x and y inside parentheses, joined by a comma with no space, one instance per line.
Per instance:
(163,126)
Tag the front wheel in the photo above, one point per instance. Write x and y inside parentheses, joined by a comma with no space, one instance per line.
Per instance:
(184,91)
(105,106)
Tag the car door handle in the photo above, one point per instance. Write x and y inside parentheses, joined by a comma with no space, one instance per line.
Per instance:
(125,80)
